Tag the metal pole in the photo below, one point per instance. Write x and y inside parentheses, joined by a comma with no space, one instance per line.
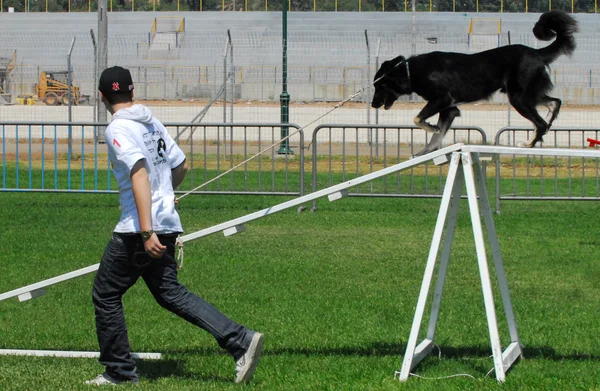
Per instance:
(284,98)
(232,75)
(95,84)
(414,28)
(377,68)
(232,96)
(414,35)
(225,89)
(377,110)
(102,62)
(368,78)
(509,103)
(70,95)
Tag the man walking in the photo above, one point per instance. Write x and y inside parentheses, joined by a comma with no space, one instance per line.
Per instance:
(148,166)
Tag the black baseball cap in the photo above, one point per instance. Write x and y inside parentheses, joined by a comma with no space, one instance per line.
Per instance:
(115,79)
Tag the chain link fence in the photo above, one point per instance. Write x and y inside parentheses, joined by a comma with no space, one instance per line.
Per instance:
(237,76)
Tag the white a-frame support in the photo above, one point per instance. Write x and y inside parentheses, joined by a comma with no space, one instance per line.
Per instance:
(464,171)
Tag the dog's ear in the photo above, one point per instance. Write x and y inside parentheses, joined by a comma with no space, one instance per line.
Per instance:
(388,66)
(398,60)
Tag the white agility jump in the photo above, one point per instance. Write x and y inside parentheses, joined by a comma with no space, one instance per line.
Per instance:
(464,173)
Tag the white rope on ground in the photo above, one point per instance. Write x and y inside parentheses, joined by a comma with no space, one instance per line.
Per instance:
(445,377)
(397,373)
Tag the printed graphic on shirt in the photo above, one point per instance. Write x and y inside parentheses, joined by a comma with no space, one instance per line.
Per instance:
(156,147)
(162,147)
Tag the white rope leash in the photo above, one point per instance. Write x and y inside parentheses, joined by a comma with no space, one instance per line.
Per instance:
(179,257)
(179,243)
(340,104)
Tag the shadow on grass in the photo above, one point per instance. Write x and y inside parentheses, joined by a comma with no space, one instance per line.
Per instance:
(533,352)
(374,349)
(382,349)
(153,370)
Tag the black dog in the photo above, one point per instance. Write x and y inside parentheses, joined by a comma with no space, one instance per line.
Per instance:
(445,80)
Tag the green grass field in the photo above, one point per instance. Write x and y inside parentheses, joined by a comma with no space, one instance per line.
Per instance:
(334,292)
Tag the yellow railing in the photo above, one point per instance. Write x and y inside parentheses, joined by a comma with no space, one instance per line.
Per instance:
(574,6)
(496,21)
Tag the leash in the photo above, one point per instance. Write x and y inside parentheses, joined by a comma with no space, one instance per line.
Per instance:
(337,106)
(179,243)
(340,104)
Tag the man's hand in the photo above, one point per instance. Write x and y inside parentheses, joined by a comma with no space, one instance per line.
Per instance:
(153,247)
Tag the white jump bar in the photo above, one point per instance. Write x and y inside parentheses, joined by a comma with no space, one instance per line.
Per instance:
(60,353)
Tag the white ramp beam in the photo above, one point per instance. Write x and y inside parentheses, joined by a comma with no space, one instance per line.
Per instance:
(71,354)
(31,291)
(237,225)
(560,152)
(325,192)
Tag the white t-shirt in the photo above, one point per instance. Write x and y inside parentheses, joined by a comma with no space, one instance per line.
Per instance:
(134,134)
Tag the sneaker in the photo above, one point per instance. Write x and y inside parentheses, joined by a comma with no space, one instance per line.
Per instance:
(105,380)
(246,365)
(102,380)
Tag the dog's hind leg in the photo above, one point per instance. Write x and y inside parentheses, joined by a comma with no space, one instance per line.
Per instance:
(529,112)
(553,105)
(444,122)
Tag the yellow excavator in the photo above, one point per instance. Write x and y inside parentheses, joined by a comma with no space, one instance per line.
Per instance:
(53,89)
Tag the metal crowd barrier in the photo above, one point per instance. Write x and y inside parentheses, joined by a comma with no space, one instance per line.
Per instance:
(547,178)
(355,150)
(68,157)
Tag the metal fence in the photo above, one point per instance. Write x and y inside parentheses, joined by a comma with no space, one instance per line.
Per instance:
(343,152)
(66,157)
(520,178)
(238,77)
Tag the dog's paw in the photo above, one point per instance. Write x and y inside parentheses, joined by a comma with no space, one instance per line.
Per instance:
(524,144)
(422,152)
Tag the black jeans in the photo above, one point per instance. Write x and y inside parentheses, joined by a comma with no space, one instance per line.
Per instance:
(123,262)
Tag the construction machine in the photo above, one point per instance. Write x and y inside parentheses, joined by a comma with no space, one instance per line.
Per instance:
(53,89)
(7,66)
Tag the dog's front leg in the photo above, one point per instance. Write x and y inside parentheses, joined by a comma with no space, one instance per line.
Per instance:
(444,122)
(430,109)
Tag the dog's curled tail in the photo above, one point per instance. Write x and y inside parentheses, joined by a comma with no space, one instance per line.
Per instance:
(560,25)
